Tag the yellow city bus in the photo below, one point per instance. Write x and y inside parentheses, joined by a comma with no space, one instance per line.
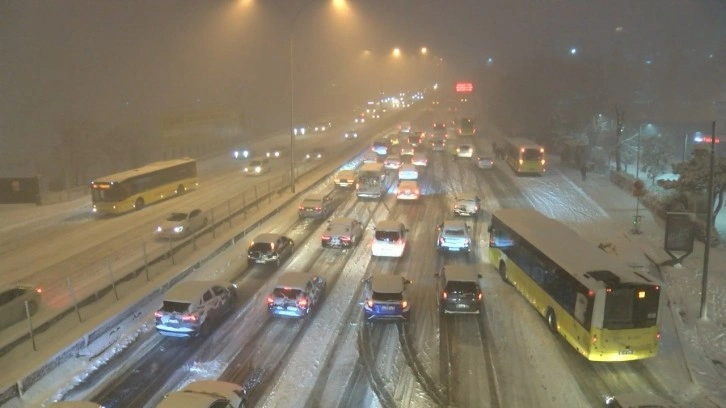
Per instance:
(135,188)
(525,156)
(603,308)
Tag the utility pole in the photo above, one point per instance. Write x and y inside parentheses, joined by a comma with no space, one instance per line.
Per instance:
(709,222)
(620,118)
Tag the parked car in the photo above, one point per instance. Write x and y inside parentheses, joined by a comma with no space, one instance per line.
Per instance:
(270,248)
(344,178)
(467,204)
(350,135)
(12,303)
(206,394)
(342,232)
(419,159)
(386,298)
(389,238)
(408,190)
(257,166)
(315,154)
(317,205)
(190,308)
(459,290)
(485,162)
(454,237)
(276,152)
(181,224)
(296,294)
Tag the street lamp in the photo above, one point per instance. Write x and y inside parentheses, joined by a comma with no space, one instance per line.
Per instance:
(336,4)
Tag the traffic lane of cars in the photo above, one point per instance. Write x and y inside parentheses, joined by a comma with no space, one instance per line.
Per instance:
(250,282)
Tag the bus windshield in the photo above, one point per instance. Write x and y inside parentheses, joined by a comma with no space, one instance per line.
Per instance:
(631,308)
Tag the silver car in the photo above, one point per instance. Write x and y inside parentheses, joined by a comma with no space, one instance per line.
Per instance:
(296,294)
(12,303)
(342,232)
(190,308)
(206,394)
(181,224)
(454,237)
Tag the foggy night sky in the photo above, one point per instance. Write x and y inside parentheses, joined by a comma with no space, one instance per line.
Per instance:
(120,62)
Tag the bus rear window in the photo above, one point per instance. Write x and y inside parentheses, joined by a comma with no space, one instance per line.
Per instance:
(631,307)
(531,154)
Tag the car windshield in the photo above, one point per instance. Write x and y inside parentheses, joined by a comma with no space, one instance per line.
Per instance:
(311,203)
(387,297)
(261,246)
(256,163)
(287,293)
(387,236)
(177,217)
(455,232)
(461,287)
(175,307)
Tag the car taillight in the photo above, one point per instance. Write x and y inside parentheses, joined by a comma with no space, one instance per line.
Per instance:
(325,237)
(657,336)
(158,314)
(444,295)
(370,303)
(346,239)
(318,208)
(270,299)
(301,208)
(189,318)
(479,295)
(39,290)
(417,192)
(302,302)
(404,304)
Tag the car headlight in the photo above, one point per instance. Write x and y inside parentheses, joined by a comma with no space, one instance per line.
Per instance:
(258,169)
(277,154)
(247,169)
(178,229)
(159,229)
(236,154)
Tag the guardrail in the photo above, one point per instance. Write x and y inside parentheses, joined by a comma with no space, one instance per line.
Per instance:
(221,216)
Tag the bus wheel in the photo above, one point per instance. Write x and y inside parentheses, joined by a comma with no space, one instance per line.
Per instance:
(503,272)
(180,190)
(139,204)
(552,320)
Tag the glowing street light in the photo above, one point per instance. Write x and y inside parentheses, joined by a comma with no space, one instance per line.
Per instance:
(424,50)
(396,52)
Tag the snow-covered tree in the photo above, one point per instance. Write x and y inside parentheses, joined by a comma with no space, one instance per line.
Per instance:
(693,178)
(654,157)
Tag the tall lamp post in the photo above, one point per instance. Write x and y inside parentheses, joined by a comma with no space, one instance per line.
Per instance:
(292,88)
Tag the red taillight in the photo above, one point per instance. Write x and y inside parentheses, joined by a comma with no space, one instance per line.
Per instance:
(302,302)
(325,237)
(158,314)
(346,239)
(39,290)
(404,304)
(370,303)
(444,295)
(657,336)
(270,299)
(479,295)
(189,318)
(318,208)
(301,208)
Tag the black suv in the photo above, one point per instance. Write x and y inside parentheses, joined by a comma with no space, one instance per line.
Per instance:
(270,248)
(459,290)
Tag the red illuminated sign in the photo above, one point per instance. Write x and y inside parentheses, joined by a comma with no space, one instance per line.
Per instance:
(705,139)
(464,87)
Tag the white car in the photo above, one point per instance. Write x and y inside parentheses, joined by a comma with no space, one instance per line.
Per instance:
(389,238)
(344,178)
(408,172)
(420,159)
(206,394)
(485,162)
(392,162)
(465,151)
(257,166)
(190,308)
(408,190)
(181,224)
(351,134)
(467,205)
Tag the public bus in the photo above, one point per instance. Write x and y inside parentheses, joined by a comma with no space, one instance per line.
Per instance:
(466,127)
(525,156)
(133,189)
(605,309)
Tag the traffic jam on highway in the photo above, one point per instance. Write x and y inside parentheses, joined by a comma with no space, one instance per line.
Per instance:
(394,278)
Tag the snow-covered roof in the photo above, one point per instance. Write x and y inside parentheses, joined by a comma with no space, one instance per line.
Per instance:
(294,280)
(151,167)
(189,291)
(387,284)
(388,225)
(570,251)
(461,273)
(267,237)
